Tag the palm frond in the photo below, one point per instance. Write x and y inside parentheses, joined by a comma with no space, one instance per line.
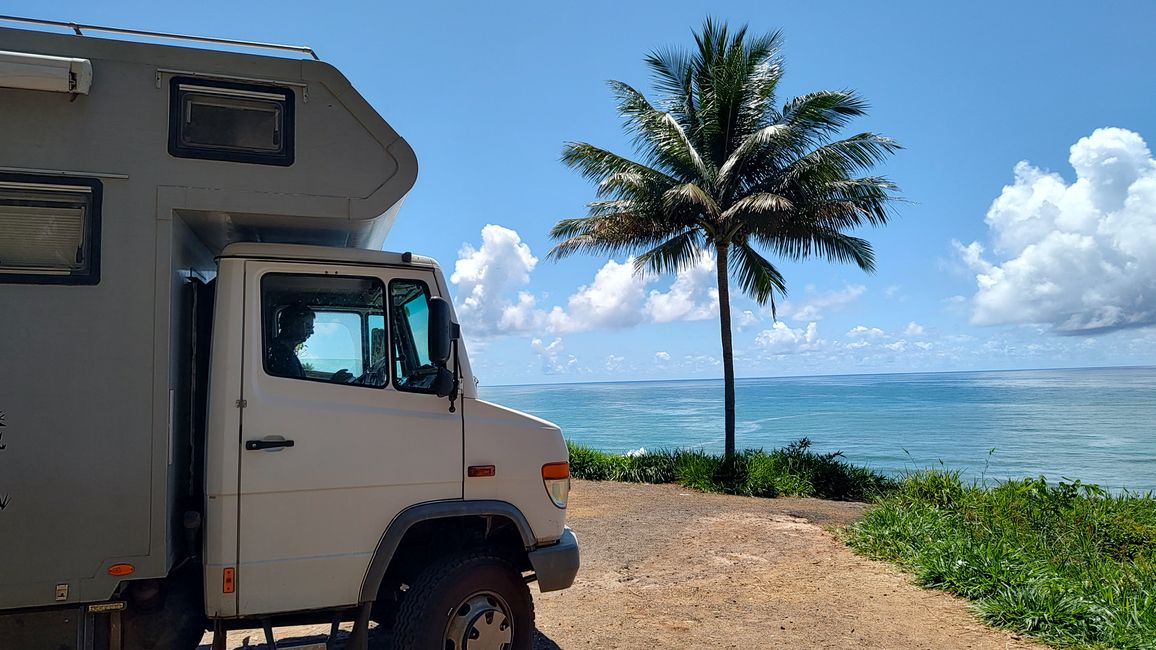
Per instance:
(611,233)
(757,277)
(764,205)
(672,255)
(752,146)
(825,111)
(659,135)
(844,158)
(596,164)
(802,240)
(688,195)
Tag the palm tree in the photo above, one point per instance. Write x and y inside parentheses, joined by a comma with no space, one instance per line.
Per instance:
(724,170)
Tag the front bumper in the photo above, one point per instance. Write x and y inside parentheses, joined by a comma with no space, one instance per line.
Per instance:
(556,565)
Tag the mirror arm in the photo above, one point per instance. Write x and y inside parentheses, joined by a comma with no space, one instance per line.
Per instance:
(453,396)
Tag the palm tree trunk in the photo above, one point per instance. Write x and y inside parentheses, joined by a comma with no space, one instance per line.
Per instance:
(728,356)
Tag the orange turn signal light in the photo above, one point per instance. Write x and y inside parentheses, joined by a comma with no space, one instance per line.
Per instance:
(121,569)
(229,583)
(555,471)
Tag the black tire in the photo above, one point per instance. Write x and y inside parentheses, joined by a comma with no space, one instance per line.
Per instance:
(469,595)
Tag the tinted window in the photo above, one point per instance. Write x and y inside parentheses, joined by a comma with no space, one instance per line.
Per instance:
(219,120)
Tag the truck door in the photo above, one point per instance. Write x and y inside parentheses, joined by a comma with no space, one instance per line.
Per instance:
(339,430)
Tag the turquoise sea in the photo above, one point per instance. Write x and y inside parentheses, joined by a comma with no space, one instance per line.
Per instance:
(1097,425)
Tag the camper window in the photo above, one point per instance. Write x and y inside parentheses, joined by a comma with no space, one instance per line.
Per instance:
(324,328)
(218,120)
(49,229)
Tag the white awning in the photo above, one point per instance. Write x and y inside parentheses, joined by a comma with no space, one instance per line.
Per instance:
(40,72)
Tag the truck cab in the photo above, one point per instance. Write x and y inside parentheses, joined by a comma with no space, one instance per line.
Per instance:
(223,405)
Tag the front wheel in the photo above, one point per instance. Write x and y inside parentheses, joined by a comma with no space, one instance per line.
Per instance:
(471,601)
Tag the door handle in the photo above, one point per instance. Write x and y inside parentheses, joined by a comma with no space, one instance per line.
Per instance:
(254,445)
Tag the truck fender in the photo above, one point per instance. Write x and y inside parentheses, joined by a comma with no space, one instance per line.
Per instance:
(407,518)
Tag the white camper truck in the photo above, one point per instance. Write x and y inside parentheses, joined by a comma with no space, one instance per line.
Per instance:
(222,405)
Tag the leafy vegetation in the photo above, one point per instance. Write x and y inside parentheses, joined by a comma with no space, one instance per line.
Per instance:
(795,470)
(1067,562)
(725,170)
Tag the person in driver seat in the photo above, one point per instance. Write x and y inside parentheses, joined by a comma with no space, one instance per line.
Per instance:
(295,327)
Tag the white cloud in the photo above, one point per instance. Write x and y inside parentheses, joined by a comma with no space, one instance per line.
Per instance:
(781,339)
(913,329)
(611,301)
(1079,257)
(551,356)
(491,301)
(817,305)
(486,276)
(896,346)
(692,296)
(662,356)
(747,318)
(613,362)
(860,331)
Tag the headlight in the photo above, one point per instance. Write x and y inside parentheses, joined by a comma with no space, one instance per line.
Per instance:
(556,478)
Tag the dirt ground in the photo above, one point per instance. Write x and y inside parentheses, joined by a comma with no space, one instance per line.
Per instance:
(663,567)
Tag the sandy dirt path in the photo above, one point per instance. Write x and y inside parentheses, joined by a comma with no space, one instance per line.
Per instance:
(664,567)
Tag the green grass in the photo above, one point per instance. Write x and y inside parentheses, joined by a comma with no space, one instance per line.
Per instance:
(792,471)
(1068,563)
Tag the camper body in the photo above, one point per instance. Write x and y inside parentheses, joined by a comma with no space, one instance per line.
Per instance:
(167,216)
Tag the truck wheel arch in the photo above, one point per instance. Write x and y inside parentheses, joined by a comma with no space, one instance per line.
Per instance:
(408,518)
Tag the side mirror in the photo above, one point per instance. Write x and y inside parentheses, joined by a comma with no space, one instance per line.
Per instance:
(441,331)
(444,383)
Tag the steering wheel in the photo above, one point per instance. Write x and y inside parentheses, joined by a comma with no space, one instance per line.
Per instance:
(375,376)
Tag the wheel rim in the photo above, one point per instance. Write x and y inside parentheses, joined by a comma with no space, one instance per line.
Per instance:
(481,622)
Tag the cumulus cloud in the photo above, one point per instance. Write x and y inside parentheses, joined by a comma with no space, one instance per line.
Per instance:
(611,300)
(1079,257)
(819,304)
(552,357)
(913,329)
(781,339)
(487,276)
(747,318)
(493,301)
(662,356)
(861,331)
(692,296)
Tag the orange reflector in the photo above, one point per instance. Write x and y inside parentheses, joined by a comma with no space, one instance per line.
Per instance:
(481,471)
(121,569)
(229,584)
(555,471)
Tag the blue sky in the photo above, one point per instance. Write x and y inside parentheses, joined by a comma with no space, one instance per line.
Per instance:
(1029,239)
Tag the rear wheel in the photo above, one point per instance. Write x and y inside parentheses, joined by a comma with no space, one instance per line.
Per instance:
(471,601)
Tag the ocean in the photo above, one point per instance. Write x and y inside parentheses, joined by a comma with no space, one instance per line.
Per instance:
(1096,425)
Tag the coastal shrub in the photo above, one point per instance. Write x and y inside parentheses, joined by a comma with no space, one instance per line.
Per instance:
(795,470)
(1067,562)
(698,470)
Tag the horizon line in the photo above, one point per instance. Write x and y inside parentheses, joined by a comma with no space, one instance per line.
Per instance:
(856,374)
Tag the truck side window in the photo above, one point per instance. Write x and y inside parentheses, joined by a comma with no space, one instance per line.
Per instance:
(409,313)
(324,328)
(49,229)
